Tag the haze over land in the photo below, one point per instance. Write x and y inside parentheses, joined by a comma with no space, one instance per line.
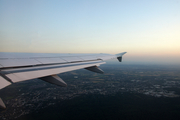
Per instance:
(122,92)
(147,30)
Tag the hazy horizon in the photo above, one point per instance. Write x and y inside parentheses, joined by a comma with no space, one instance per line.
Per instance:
(147,30)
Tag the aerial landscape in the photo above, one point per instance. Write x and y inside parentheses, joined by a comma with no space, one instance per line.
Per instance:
(138,39)
(123,92)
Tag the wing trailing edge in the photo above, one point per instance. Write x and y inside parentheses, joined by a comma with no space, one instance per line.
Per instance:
(17,67)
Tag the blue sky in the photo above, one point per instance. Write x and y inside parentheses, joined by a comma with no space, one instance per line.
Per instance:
(149,30)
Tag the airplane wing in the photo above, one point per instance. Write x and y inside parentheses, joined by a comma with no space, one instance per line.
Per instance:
(17,67)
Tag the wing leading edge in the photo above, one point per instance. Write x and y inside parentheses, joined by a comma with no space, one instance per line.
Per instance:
(16,67)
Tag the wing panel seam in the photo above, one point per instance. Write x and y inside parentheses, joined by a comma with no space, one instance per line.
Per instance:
(45,67)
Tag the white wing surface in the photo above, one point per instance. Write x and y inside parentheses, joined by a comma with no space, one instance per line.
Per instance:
(16,67)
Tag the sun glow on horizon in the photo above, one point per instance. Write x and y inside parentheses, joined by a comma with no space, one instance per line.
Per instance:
(92,27)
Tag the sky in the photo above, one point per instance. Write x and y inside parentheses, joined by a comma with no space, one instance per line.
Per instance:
(148,30)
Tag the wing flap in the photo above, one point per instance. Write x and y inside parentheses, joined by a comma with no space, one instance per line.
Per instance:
(19,75)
